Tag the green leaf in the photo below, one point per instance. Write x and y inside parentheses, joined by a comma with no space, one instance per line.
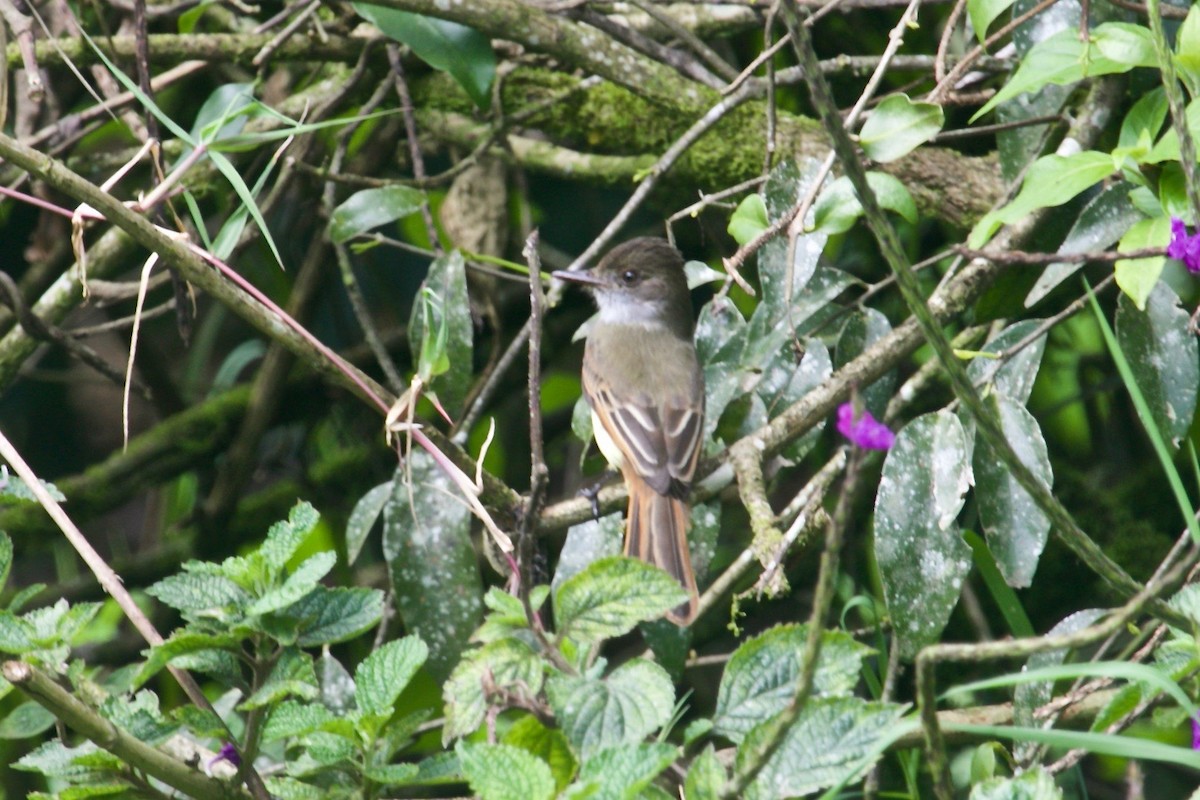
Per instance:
(504,772)
(829,742)
(293,675)
(1013,377)
(385,673)
(587,543)
(838,207)
(749,219)
(1015,526)
(1187,46)
(1060,59)
(463,52)
(1033,784)
(1126,44)
(328,616)
(13,487)
(284,538)
(898,126)
(305,579)
(623,708)
(922,559)
(1051,181)
(1103,221)
(26,720)
(182,642)
(548,744)
(785,185)
(391,774)
(503,664)
(984,12)
(362,519)
(624,771)
(198,594)
(434,570)
(1167,147)
(705,778)
(370,208)
(443,324)
(1137,277)
(761,676)
(1164,357)
(292,718)
(611,596)
(864,327)
(1144,120)
(6,558)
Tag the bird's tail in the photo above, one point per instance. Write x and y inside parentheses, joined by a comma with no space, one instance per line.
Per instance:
(656,532)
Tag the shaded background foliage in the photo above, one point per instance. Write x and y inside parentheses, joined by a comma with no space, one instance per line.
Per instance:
(199,480)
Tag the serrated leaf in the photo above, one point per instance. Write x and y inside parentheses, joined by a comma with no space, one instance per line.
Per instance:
(504,772)
(503,664)
(826,745)
(922,559)
(391,774)
(385,673)
(198,594)
(612,595)
(749,219)
(1015,526)
(625,707)
(548,744)
(761,676)
(292,718)
(897,126)
(369,208)
(705,778)
(328,616)
(181,643)
(292,676)
(587,543)
(462,52)
(284,538)
(1164,357)
(623,772)
(12,487)
(304,580)
(434,570)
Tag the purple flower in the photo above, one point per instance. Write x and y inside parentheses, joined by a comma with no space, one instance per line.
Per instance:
(864,431)
(1195,734)
(1183,247)
(227,753)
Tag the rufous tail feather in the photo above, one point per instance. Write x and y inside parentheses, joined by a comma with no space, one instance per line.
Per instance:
(656,532)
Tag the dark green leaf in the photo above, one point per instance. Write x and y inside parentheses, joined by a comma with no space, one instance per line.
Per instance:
(1164,357)
(503,664)
(1015,525)
(761,676)
(444,324)
(623,708)
(362,519)
(504,772)
(827,744)
(328,616)
(922,559)
(384,674)
(897,126)
(447,46)
(435,575)
(369,208)
(622,772)
(611,596)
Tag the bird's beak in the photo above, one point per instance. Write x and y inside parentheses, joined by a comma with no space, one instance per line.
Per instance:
(580,276)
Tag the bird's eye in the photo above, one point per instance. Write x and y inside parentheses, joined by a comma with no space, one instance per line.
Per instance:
(629,277)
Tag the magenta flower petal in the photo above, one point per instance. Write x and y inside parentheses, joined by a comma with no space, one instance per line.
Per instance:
(1183,247)
(227,753)
(864,431)
(1195,735)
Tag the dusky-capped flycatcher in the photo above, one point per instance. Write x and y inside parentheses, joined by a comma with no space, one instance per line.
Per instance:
(643,382)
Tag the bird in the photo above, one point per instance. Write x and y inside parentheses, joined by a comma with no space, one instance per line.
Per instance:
(643,382)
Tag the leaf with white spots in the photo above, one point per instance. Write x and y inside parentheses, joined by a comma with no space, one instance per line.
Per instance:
(1015,526)
(922,559)
(1164,357)
(434,570)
